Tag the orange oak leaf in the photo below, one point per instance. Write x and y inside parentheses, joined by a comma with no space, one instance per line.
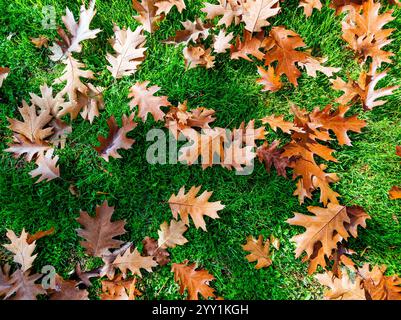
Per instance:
(364,32)
(269,79)
(250,45)
(325,230)
(258,251)
(364,89)
(283,50)
(119,289)
(309,5)
(194,281)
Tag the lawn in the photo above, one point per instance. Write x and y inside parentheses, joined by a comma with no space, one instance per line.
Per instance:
(255,204)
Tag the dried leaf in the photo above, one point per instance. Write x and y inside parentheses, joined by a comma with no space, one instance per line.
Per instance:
(259,252)
(194,281)
(269,79)
(152,249)
(130,51)
(21,249)
(134,262)
(117,138)
(146,101)
(256,13)
(172,235)
(99,232)
(47,167)
(148,16)
(188,204)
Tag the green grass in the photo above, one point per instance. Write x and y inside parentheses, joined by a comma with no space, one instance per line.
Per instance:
(255,204)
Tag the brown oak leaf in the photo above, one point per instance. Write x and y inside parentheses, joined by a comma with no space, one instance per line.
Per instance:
(152,249)
(99,232)
(190,205)
(146,101)
(117,137)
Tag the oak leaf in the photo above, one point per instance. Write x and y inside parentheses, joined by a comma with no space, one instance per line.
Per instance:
(164,6)
(198,56)
(341,288)
(130,51)
(47,167)
(269,79)
(72,75)
(256,13)
(152,249)
(134,262)
(193,31)
(119,289)
(99,232)
(21,249)
(364,89)
(189,205)
(180,118)
(250,45)
(148,16)
(47,102)
(222,41)
(60,132)
(259,251)
(78,32)
(194,281)
(271,155)
(33,125)
(309,5)
(146,101)
(41,41)
(172,235)
(67,290)
(364,34)
(325,229)
(379,286)
(23,286)
(230,10)
(117,137)
(336,122)
(283,50)
(23,146)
